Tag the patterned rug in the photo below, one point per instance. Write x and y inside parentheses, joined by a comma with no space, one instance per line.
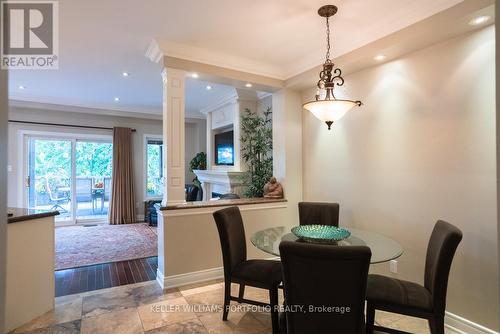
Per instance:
(78,246)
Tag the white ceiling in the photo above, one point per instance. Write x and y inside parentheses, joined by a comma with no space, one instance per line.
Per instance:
(198,97)
(280,38)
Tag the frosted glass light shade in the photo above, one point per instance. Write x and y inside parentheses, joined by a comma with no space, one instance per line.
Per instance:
(330,110)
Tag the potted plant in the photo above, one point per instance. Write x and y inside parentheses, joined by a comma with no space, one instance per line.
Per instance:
(257,150)
(199,162)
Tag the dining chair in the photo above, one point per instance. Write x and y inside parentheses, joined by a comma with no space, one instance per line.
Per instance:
(317,213)
(317,276)
(412,299)
(264,274)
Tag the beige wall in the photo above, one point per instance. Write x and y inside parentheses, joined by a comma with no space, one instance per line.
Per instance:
(422,148)
(497,47)
(30,286)
(199,247)
(3,194)
(196,141)
(264,103)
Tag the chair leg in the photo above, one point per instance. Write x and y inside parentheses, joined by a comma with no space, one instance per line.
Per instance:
(227,299)
(436,325)
(370,317)
(273,301)
(241,293)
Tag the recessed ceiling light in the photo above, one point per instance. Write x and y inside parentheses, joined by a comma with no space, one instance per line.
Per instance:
(21,87)
(479,20)
(379,57)
(248,85)
(195,75)
(209,87)
(125,74)
(117,99)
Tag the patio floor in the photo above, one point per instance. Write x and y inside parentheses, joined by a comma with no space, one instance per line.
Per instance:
(84,210)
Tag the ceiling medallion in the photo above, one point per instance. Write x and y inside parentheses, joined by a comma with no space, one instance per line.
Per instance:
(329,109)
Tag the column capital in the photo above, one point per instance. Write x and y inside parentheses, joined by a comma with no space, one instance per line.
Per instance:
(164,75)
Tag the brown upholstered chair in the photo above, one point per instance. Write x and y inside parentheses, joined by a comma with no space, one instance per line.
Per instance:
(316,213)
(316,275)
(264,274)
(408,298)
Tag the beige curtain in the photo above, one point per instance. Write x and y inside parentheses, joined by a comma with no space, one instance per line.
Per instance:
(122,206)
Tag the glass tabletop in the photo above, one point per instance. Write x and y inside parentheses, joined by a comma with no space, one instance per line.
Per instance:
(383,248)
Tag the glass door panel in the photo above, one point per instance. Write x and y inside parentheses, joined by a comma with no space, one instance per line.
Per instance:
(49,176)
(93,179)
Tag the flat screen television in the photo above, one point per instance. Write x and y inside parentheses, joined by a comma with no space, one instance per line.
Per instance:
(224,148)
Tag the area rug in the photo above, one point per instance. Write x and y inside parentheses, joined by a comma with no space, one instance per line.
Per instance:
(78,246)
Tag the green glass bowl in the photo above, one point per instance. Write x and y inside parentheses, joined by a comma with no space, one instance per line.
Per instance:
(320,233)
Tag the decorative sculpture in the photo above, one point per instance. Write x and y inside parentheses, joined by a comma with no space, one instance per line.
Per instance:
(273,189)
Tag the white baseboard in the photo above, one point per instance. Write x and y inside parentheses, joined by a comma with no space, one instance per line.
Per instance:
(189,278)
(160,279)
(460,325)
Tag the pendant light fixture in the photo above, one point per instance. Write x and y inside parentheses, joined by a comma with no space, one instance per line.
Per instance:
(329,109)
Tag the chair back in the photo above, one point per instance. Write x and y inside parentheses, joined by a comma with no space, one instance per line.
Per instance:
(315,213)
(440,251)
(317,275)
(232,238)
(192,193)
(49,190)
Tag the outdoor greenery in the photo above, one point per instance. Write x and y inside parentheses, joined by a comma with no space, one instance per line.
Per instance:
(94,159)
(257,150)
(52,159)
(154,186)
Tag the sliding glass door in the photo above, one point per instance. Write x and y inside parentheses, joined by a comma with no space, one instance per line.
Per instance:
(93,179)
(49,176)
(71,175)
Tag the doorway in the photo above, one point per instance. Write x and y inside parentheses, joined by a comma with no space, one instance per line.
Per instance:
(70,174)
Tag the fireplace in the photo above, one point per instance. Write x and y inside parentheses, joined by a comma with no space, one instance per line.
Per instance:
(220,182)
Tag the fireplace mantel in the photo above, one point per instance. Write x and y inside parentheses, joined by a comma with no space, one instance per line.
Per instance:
(220,181)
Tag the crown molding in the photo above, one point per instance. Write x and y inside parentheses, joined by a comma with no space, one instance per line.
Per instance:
(429,30)
(437,28)
(230,99)
(263,95)
(46,104)
(154,52)
(214,58)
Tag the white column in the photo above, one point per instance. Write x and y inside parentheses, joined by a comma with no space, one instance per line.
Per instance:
(210,138)
(173,157)
(173,135)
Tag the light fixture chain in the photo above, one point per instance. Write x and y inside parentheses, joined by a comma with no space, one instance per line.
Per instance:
(327,39)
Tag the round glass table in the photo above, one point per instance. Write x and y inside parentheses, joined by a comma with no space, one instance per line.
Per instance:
(383,249)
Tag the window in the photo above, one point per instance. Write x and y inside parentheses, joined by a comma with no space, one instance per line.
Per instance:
(154,167)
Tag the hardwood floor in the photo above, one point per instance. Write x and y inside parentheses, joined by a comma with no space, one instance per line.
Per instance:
(105,275)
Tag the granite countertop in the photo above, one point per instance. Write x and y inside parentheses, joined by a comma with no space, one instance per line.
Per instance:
(221,202)
(23,214)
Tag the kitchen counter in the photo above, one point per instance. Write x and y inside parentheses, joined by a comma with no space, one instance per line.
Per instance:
(30,265)
(23,214)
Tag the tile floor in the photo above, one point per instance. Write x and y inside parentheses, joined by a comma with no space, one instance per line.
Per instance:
(145,308)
